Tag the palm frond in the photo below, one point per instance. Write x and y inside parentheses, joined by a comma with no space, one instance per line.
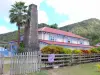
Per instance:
(18,13)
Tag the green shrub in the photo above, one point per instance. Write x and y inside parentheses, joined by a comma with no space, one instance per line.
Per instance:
(94,50)
(98,48)
(76,51)
(52,49)
(67,51)
(21,48)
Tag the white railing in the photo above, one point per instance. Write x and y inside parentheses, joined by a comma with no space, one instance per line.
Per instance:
(25,63)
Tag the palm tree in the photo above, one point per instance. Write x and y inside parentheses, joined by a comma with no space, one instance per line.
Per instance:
(18,15)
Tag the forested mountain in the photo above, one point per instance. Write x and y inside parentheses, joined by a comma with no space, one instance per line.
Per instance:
(88,28)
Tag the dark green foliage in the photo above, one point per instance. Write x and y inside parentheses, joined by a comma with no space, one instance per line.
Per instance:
(98,48)
(18,15)
(46,25)
(94,50)
(54,26)
(88,28)
(21,48)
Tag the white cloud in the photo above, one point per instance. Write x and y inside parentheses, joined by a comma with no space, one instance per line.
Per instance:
(76,10)
(42,17)
(7,19)
(66,23)
(4,29)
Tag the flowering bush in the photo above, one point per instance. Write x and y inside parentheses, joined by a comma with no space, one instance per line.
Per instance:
(86,51)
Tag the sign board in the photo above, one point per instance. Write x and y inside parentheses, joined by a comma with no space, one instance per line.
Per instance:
(51,58)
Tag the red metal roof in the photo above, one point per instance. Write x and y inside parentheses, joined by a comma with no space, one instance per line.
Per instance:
(56,31)
(66,44)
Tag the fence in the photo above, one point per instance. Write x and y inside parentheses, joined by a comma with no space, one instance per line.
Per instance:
(29,62)
(24,63)
(1,64)
(69,59)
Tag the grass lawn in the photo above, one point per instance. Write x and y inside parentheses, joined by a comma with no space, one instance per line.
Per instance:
(82,69)
(6,68)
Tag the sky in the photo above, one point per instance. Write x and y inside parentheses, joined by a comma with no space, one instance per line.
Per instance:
(61,12)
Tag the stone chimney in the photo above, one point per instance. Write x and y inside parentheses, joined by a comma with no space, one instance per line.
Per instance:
(31,33)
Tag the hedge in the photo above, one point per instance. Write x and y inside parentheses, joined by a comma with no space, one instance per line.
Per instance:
(61,50)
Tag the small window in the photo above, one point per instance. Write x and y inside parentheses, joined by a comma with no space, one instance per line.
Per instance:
(51,38)
(68,41)
(81,42)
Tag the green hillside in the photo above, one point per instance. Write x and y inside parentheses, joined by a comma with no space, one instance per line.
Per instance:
(88,28)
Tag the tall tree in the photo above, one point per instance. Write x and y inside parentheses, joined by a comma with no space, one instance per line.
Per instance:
(18,15)
(54,26)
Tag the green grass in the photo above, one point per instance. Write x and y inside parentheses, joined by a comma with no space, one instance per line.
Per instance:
(6,68)
(82,69)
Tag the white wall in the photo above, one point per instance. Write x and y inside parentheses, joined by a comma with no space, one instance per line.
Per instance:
(61,38)
(74,40)
(46,36)
(86,42)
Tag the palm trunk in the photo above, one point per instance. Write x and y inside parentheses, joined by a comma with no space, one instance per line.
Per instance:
(18,36)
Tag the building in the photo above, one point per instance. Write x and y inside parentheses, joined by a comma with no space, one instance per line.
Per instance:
(97,45)
(48,36)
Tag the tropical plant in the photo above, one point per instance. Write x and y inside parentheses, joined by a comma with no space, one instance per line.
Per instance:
(67,51)
(52,49)
(94,50)
(18,15)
